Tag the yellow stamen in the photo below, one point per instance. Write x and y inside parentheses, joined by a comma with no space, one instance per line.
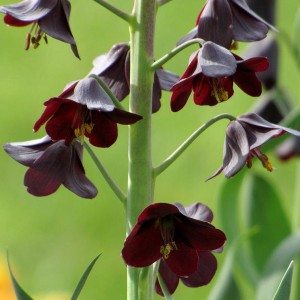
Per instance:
(220,94)
(266,163)
(84,128)
(166,249)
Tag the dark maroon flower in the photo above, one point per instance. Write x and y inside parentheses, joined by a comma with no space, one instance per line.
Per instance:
(47,17)
(84,109)
(207,263)
(289,149)
(244,136)
(211,73)
(225,21)
(114,69)
(50,165)
(163,231)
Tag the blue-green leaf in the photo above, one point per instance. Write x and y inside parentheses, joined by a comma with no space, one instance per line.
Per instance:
(262,207)
(84,278)
(20,293)
(284,290)
(287,251)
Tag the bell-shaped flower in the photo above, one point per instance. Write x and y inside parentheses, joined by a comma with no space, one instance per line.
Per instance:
(211,72)
(207,263)
(52,164)
(84,109)
(47,17)
(226,21)
(244,136)
(164,232)
(114,69)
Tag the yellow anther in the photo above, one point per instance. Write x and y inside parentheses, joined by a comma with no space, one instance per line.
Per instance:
(166,249)
(220,94)
(234,45)
(80,131)
(265,162)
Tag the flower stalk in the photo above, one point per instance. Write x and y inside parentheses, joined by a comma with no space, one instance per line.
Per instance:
(140,170)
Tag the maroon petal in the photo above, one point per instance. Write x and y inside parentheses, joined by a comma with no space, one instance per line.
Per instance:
(105,131)
(169,278)
(207,266)
(9,20)
(203,92)
(248,82)
(182,261)
(215,23)
(75,179)
(29,10)
(256,64)
(199,235)
(123,117)
(138,251)
(181,95)
(48,171)
(27,152)
(157,210)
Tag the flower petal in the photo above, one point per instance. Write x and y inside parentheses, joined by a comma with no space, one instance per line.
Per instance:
(123,117)
(207,266)
(199,211)
(9,20)
(182,261)
(29,10)
(170,279)
(289,148)
(27,152)
(75,179)
(166,79)
(137,251)
(189,36)
(248,82)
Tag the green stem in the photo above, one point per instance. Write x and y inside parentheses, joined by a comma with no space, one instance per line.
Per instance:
(118,192)
(164,288)
(121,14)
(108,91)
(162,2)
(140,170)
(296,227)
(157,64)
(158,170)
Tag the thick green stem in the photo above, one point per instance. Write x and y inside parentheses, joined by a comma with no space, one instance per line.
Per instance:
(121,14)
(140,173)
(174,52)
(296,227)
(158,170)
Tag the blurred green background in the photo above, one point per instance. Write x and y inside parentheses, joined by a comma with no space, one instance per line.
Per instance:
(52,239)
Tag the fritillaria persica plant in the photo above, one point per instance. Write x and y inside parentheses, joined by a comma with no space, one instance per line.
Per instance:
(165,243)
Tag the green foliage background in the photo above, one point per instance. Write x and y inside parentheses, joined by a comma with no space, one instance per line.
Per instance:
(52,239)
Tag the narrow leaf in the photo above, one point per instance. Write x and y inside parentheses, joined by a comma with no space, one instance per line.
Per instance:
(262,207)
(84,278)
(20,293)
(284,290)
(287,251)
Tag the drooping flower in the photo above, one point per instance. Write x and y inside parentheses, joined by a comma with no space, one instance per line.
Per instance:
(289,149)
(164,232)
(114,69)
(225,21)
(207,263)
(211,73)
(52,164)
(244,136)
(47,17)
(84,109)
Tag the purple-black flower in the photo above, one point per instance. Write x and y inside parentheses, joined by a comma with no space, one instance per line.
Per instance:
(52,164)
(225,21)
(47,17)
(84,109)
(207,263)
(244,136)
(114,69)
(211,73)
(164,232)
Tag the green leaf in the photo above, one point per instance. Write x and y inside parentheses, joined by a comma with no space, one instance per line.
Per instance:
(261,206)
(20,293)
(226,287)
(84,278)
(287,251)
(284,290)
